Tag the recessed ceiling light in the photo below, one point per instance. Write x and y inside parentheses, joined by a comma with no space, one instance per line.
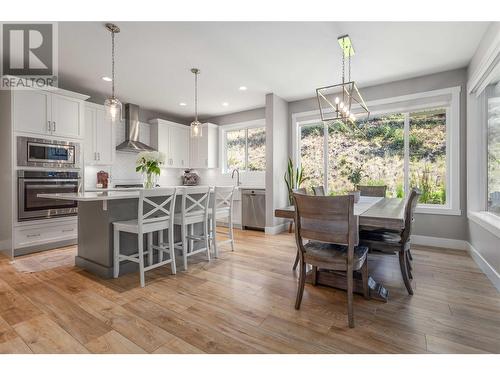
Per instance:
(107,79)
(243,88)
(225,104)
(182,104)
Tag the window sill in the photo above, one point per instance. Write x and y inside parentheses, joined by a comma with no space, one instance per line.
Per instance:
(436,210)
(486,220)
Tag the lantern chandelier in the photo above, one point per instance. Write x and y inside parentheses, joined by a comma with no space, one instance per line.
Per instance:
(340,101)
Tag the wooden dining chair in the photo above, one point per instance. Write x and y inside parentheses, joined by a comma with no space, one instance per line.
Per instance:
(319,190)
(290,226)
(392,242)
(372,191)
(330,228)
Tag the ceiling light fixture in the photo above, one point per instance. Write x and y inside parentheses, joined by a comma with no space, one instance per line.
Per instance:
(182,104)
(225,104)
(243,88)
(336,101)
(196,126)
(112,104)
(107,79)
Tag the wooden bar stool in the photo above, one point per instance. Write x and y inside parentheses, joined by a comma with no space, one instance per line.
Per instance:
(194,209)
(154,214)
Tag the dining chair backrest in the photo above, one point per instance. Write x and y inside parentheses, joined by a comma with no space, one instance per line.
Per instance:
(372,191)
(319,190)
(155,205)
(222,198)
(326,219)
(195,199)
(411,204)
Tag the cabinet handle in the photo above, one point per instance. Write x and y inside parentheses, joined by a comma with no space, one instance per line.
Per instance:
(95,155)
(33,235)
(68,230)
(54,123)
(98,156)
(49,129)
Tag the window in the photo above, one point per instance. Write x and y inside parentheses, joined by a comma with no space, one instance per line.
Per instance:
(493,144)
(244,147)
(402,149)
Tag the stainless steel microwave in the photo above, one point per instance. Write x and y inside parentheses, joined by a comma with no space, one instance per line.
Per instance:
(40,152)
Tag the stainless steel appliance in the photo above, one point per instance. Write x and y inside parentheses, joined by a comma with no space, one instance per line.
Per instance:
(32,183)
(40,152)
(253,208)
(132,143)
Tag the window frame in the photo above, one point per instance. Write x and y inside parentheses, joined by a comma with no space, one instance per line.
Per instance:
(403,104)
(246,125)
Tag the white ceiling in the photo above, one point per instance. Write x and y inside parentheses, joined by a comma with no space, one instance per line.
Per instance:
(289,59)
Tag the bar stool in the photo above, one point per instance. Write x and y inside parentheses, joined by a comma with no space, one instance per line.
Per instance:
(221,207)
(153,215)
(194,209)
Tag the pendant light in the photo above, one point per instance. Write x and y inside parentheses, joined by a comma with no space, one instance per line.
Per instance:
(112,105)
(196,126)
(336,101)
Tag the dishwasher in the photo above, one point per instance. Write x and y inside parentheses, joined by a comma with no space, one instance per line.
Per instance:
(253,209)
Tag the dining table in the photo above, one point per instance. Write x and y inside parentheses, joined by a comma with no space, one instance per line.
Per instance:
(372,213)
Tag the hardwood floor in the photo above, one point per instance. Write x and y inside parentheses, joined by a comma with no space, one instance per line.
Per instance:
(243,302)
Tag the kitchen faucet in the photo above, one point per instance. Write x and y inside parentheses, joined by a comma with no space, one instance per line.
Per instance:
(238,176)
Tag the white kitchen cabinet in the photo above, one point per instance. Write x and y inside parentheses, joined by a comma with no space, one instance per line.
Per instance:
(173,140)
(204,149)
(43,233)
(99,139)
(46,113)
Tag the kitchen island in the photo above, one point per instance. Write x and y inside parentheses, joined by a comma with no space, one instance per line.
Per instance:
(96,213)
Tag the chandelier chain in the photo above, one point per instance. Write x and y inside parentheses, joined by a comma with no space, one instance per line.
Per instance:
(196,96)
(112,64)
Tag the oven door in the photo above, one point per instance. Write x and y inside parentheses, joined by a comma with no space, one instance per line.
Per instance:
(32,207)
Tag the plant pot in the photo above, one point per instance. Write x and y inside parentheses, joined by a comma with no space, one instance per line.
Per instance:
(356,194)
(150,180)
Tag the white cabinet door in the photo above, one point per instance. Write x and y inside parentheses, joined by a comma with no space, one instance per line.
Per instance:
(31,111)
(179,147)
(104,138)
(90,155)
(66,114)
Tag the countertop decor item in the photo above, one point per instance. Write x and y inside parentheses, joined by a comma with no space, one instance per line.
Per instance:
(190,178)
(148,163)
(102,179)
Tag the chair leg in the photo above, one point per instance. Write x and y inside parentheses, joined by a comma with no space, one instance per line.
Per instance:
(296,262)
(350,287)
(314,275)
(207,238)
(191,242)
(184,247)
(116,252)
(172,250)
(140,243)
(150,248)
(214,237)
(364,277)
(404,271)
(409,254)
(160,242)
(410,267)
(290,227)
(300,287)
(231,232)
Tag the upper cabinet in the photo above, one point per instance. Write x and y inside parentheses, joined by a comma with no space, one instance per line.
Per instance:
(204,149)
(47,113)
(173,140)
(99,136)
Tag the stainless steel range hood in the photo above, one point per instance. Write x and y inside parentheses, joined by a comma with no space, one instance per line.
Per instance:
(132,143)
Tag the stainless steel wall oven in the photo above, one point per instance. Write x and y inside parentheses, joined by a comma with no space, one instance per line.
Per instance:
(32,183)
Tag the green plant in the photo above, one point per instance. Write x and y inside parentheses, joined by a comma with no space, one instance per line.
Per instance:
(354,174)
(294,177)
(149,163)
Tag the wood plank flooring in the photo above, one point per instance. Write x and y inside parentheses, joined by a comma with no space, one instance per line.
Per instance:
(243,302)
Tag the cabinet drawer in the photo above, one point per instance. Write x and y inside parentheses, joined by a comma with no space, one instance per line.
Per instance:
(41,234)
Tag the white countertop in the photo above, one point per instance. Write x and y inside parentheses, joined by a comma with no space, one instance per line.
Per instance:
(109,194)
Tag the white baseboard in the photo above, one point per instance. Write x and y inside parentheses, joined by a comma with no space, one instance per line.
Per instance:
(448,243)
(487,269)
(277,229)
(5,245)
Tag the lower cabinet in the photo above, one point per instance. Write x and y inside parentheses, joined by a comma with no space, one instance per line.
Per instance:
(45,233)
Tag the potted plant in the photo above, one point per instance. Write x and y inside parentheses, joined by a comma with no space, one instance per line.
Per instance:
(294,177)
(148,163)
(355,175)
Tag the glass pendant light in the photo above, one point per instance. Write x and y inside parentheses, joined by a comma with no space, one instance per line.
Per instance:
(112,105)
(196,126)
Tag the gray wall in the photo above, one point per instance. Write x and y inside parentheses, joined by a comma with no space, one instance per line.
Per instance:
(234,118)
(444,226)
